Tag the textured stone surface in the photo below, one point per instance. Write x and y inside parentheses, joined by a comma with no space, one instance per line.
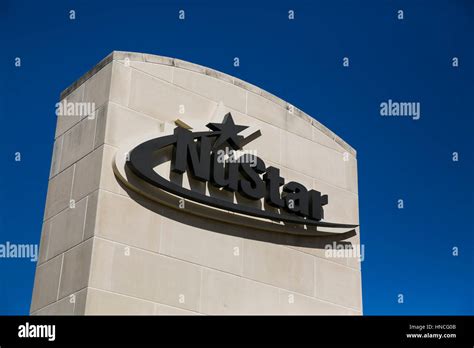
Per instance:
(338,284)
(65,122)
(293,303)
(66,229)
(59,192)
(145,275)
(45,290)
(200,246)
(212,88)
(68,305)
(223,293)
(76,268)
(123,220)
(109,303)
(134,58)
(77,142)
(147,92)
(279,266)
(118,253)
(87,174)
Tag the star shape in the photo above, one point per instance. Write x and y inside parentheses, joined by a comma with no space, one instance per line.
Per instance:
(228,132)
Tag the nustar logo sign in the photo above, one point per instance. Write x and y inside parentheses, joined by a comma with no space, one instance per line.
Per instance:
(200,154)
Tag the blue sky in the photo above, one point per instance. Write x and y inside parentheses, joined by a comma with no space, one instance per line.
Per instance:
(407,251)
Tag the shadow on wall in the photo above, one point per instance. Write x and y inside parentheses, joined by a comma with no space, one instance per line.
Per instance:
(238,226)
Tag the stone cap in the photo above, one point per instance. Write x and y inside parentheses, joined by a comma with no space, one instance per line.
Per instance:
(154,59)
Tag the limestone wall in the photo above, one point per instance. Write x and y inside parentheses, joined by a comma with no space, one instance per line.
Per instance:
(107,250)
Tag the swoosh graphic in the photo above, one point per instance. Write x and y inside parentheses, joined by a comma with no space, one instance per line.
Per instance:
(141,164)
